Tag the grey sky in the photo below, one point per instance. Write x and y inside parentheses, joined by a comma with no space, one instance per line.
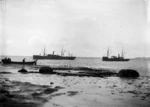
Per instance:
(83,27)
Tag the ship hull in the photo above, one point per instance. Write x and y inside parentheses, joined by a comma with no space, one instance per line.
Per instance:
(54,57)
(114,59)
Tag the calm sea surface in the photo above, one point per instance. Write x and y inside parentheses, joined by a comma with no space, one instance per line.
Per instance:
(142,65)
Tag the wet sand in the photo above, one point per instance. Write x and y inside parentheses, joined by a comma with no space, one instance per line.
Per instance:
(76,91)
(24,94)
(102,92)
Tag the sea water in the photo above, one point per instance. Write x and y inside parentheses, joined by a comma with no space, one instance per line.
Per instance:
(142,65)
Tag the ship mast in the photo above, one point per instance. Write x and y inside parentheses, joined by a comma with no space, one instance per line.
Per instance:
(108,52)
(62,52)
(122,53)
(44,52)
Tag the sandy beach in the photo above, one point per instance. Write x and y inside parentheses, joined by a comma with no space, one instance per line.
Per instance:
(76,91)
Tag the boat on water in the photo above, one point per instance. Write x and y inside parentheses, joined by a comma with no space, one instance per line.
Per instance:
(54,56)
(114,58)
(8,61)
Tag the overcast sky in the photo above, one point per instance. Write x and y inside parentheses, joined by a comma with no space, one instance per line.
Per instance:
(82,27)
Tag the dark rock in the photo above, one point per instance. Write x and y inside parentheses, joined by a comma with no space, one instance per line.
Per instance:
(128,73)
(33,72)
(37,94)
(51,83)
(50,90)
(4,91)
(4,98)
(46,70)
(23,70)
(59,87)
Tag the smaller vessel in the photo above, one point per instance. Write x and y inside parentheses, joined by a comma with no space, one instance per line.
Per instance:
(8,61)
(114,58)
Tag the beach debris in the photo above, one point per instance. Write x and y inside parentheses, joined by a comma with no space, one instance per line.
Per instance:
(128,73)
(46,70)
(23,70)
